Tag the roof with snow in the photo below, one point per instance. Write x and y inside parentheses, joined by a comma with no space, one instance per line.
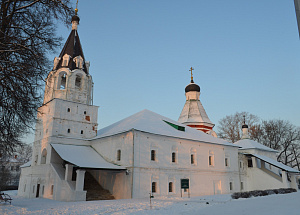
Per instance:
(83,156)
(251,144)
(193,111)
(275,163)
(148,121)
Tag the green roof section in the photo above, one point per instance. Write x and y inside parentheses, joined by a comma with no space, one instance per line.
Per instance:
(178,127)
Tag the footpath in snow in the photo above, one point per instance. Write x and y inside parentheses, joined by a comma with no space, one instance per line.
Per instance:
(203,205)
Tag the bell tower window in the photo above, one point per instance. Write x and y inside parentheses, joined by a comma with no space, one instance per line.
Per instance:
(78,82)
(62,81)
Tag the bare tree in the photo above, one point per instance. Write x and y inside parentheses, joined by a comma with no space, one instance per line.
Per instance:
(285,137)
(230,126)
(27,36)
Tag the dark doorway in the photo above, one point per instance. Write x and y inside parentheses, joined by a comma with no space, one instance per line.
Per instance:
(37,190)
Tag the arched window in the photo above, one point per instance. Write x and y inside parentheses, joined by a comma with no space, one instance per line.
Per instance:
(170,187)
(153,155)
(62,81)
(153,190)
(192,159)
(78,82)
(173,157)
(119,155)
(44,156)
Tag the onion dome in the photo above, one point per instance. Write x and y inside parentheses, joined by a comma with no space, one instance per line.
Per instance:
(75,18)
(244,126)
(192,87)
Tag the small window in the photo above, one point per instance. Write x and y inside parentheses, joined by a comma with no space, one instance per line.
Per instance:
(173,157)
(52,188)
(192,159)
(230,186)
(81,132)
(153,155)
(153,187)
(250,164)
(84,112)
(242,186)
(69,110)
(69,130)
(211,160)
(119,155)
(170,187)
(226,162)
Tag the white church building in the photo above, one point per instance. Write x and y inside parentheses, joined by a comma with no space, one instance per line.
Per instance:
(144,153)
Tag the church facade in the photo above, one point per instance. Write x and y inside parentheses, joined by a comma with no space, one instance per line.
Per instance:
(144,154)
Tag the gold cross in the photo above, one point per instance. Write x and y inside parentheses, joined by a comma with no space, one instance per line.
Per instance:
(76,9)
(191,69)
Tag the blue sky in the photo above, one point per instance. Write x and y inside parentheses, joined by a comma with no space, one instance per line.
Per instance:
(246,56)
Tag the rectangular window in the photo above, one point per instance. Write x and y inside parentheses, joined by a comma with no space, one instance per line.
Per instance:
(250,164)
(192,159)
(170,187)
(226,162)
(119,155)
(153,190)
(230,186)
(52,187)
(173,157)
(211,160)
(153,155)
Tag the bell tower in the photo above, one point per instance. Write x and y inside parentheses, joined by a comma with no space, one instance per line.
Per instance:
(193,113)
(69,79)
(67,114)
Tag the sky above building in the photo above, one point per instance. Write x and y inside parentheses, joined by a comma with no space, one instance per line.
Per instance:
(246,56)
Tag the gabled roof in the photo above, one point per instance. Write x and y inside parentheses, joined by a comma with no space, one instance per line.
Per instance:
(73,48)
(150,122)
(251,144)
(84,157)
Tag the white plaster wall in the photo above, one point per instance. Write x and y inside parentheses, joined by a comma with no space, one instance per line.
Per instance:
(260,152)
(108,147)
(116,182)
(202,176)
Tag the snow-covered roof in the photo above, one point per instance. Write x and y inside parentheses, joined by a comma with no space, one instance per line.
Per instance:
(26,164)
(83,156)
(194,112)
(251,144)
(276,163)
(148,121)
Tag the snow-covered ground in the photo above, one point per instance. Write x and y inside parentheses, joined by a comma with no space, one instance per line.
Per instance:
(207,205)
